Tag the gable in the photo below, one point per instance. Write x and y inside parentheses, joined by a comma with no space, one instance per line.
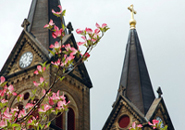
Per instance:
(25,43)
(159,111)
(123,114)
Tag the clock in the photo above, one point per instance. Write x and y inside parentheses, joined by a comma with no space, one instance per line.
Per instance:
(26,59)
(160,121)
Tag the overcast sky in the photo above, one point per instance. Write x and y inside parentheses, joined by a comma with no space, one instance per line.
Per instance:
(160,27)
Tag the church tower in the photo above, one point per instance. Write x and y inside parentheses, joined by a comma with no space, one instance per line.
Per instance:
(30,50)
(135,101)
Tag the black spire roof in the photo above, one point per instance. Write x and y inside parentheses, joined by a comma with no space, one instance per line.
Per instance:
(39,15)
(135,82)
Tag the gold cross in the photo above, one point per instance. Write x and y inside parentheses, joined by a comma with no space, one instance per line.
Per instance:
(132,21)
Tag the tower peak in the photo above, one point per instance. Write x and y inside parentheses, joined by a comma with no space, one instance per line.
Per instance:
(132,22)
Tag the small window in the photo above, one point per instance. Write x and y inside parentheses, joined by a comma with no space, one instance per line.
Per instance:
(124,121)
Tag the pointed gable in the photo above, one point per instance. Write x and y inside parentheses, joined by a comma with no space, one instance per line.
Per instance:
(158,109)
(39,15)
(123,107)
(135,78)
(25,43)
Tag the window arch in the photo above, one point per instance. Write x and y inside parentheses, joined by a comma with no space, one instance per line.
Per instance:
(71,119)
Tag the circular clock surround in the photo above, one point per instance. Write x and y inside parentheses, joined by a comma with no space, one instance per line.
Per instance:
(124,121)
(160,120)
(26,59)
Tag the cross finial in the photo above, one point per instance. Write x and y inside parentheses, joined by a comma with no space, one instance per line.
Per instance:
(25,24)
(159,91)
(132,21)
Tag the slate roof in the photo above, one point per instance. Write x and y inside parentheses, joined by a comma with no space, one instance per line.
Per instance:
(135,78)
(39,15)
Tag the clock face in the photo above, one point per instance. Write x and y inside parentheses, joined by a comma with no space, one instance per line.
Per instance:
(25,59)
(160,120)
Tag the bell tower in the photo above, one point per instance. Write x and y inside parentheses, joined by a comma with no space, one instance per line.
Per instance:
(30,50)
(135,101)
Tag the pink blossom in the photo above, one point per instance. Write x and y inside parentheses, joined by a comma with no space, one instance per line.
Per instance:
(2,80)
(35,83)
(11,88)
(97,25)
(39,68)
(96,31)
(57,32)
(140,126)
(83,37)
(56,45)
(3,123)
(46,108)
(86,55)
(41,79)
(4,101)
(80,43)
(79,31)
(7,114)
(28,105)
(155,122)
(58,13)
(22,113)
(36,72)
(69,48)
(89,30)
(103,25)
(50,24)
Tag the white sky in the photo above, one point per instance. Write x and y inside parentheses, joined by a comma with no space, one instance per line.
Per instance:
(160,26)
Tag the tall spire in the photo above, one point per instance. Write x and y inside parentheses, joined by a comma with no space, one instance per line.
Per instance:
(39,15)
(135,82)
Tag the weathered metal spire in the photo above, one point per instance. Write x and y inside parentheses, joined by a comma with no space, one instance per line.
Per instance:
(39,15)
(135,79)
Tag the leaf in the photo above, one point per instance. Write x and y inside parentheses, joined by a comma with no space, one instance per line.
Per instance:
(61,78)
(52,52)
(63,12)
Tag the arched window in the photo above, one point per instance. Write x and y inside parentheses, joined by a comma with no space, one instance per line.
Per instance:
(71,120)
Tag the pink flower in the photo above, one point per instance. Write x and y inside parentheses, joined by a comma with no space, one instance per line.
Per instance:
(57,13)
(11,88)
(96,31)
(2,80)
(89,30)
(86,55)
(56,45)
(57,32)
(22,113)
(35,83)
(103,25)
(134,126)
(36,72)
(3,123)
(41,79)
(79,31)
(7,114)
(80,43)
(28,105)
(50,24)
(46,108)
(140,126)
(39,68)
(155,122)
(4,101)
(72,49)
